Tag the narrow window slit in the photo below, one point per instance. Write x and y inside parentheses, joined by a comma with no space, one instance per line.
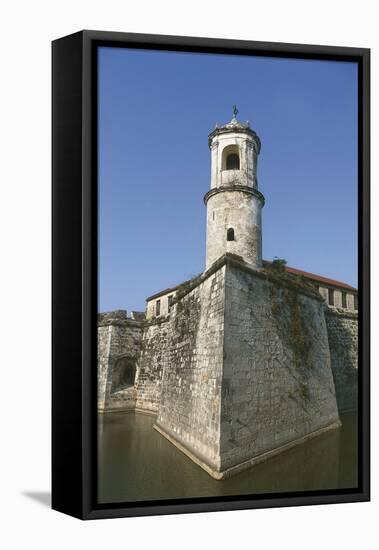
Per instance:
(230,234)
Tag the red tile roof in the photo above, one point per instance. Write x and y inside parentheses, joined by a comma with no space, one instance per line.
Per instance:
(319,278)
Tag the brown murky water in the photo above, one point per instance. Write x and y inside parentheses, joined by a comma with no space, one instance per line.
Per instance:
(137,463)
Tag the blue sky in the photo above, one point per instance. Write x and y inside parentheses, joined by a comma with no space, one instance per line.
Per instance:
(156,110)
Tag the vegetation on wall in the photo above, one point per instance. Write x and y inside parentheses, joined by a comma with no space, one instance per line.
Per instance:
(186,287)
(278,265)
(187,314)
(292,326)
(277,273)
(296,329)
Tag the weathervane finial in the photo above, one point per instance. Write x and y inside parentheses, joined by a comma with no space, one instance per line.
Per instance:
(235,112)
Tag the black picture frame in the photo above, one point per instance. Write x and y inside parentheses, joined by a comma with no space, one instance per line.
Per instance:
(74,272)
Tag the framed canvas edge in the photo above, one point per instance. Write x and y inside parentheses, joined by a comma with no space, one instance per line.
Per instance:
(67,319)
(84,500)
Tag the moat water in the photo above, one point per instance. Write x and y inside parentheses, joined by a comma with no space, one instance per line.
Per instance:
(136,463)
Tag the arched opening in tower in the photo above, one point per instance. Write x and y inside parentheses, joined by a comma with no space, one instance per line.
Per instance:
(230,234)
(231,158)
(232,162)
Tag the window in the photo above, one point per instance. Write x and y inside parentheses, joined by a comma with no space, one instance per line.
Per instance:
(170,298)
(331,296)
(230,158)
(157,308)
(232,162)
(344,301)
(230,234)
(356,301)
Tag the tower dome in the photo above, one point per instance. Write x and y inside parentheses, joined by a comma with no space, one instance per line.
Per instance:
(233,202)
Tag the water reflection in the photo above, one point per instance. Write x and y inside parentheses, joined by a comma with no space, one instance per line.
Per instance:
(137,463)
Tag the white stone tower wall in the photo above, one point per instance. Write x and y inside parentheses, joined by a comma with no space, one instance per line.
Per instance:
(248,161)
(234,201)
(242,212)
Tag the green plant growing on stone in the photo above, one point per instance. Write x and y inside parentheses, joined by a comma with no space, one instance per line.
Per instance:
(278,265)
(186,287)
(277,272)
(298,330)
(303,391)
(275,308)
(187,310)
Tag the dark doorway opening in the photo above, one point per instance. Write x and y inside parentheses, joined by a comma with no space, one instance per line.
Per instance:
(124,374)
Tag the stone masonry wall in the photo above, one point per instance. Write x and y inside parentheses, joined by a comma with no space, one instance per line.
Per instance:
(277,380)
(118,338)
(245,363)
(153,356)
(189,410)
(103,344)
(343,343)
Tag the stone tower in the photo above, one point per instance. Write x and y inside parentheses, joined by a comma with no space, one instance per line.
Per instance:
(233,202)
